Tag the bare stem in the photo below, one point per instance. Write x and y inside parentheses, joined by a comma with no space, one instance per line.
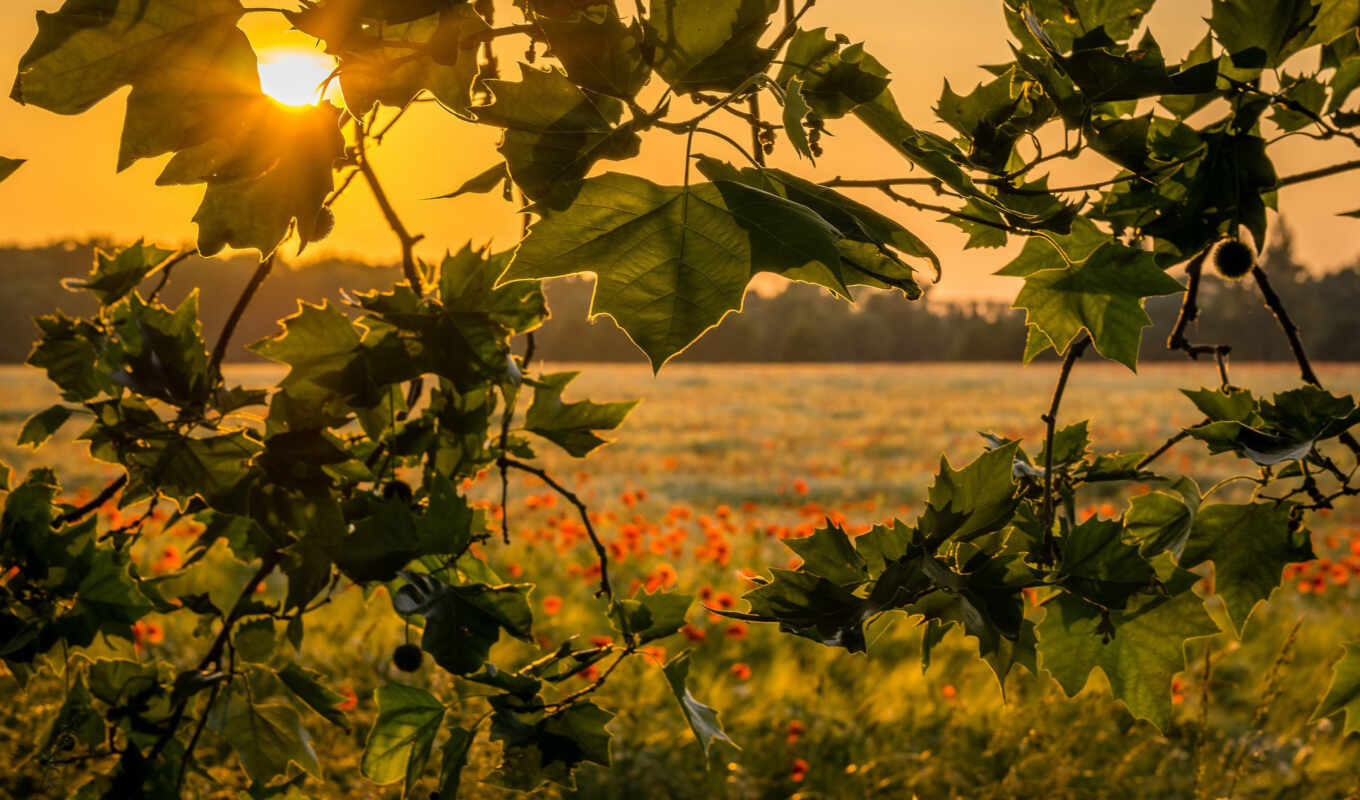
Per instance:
(1075,352)
(408,241)
(605,589)
(234,319)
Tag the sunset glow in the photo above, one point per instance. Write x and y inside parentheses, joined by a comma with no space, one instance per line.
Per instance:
(294,77)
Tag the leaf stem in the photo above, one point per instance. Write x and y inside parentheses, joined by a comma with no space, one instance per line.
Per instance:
(408,241)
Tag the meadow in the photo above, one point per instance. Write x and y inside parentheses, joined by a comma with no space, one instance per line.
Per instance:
(713,469)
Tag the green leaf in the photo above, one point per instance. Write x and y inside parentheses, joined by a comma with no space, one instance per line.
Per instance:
(600,53)
(834,78)
(267,738)
(390,60)
(393,535)
(43,424)
(703,720)
(571,426)
(1139,658)
(795,110)
(113,277)
(671,262)
(89,48)
(164,355)
(467,285)
(399,745)
(1249,546)
(1098,566)
(70,351)
(1063,21)
(455,757)
(254,640)
(306,685)
(1159,522)
(463,622)
(1102,295)
(829,553)
(652,617)
(109,594)
(971,502)
(8,166)
(1263,33)
(550,748)
(488,180)
(270,178)
(555,133)
(1344,692)
(77,722)
(708,44)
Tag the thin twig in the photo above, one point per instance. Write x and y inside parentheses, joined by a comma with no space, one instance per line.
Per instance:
(1075,352)
(77,514)
(1324,172)
(165,271)
(408,242)
(605,589)
(242,302)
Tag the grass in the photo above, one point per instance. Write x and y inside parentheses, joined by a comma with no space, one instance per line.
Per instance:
(713,467)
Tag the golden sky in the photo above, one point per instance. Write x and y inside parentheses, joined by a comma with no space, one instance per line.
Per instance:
(69,188)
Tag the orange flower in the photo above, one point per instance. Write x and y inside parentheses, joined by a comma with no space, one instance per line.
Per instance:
(350,702)
(552,604)
(725,601)
(949,692)
(800,487)
(515,570)
(654,654)
(741,670)
(155,634)
(693,633)
(795,731)
(590,673)
(799,770)
(601,641)
(736,631)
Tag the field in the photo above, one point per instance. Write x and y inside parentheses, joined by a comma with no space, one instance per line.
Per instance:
(715,466)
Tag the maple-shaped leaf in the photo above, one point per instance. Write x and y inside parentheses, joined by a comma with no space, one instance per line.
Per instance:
(271,177)
(834,78)
(1263,33)
(388,55)
(598,50)
(1139,648)
(967,503)
(1249,545)
(1344,692)
(708,44)
(671,261)
(554,132)
(467,284)
(113,276)
(1099,566)
(542,748)
(267,737)
(1102,295)
(571,426)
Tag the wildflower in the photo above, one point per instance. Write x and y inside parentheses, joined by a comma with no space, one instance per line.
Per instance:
(590,673)
(799,770)
(350,702)
(552,604)
(741,670)
(693,633)
(654,654)
(795,731)
(800,487)
(949,692)
(515,570)
(155,634)
(725,601)
(601,641)
(736,631)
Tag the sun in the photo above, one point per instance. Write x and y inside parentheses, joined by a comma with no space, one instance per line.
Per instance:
(293,76)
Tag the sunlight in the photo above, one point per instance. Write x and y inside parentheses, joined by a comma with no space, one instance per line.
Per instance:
(293,76)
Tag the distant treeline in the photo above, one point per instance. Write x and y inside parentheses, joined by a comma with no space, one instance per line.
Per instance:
(799,324)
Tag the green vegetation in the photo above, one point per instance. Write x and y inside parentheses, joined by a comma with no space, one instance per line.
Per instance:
(350,483)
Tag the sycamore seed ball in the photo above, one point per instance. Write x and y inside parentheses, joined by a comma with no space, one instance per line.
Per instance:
(407,658)
(325,223)
(1233,260)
